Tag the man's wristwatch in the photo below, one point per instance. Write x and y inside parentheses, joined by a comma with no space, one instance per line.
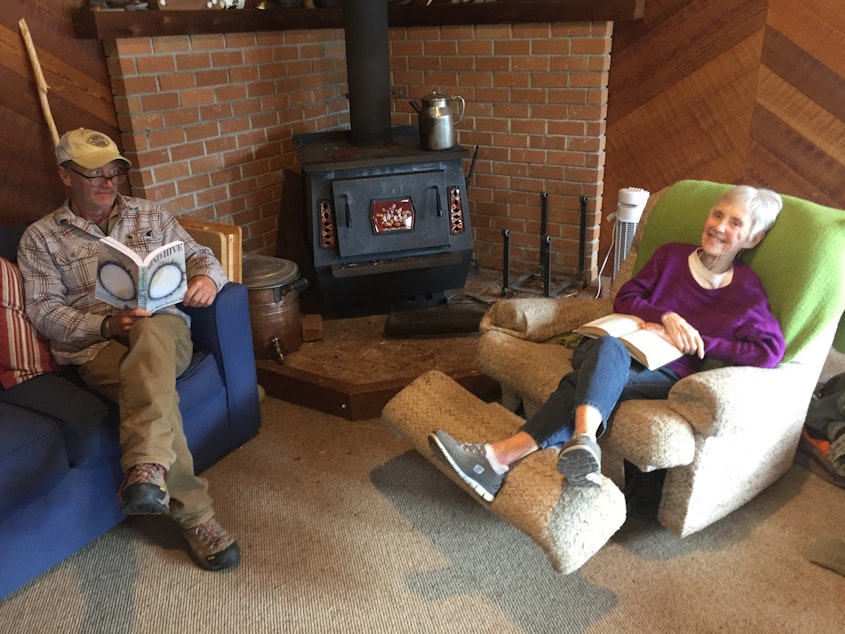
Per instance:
(105,331)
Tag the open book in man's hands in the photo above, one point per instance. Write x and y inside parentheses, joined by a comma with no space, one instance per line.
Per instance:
(126,280)
(647,347)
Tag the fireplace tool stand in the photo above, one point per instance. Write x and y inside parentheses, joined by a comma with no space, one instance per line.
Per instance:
(544,270)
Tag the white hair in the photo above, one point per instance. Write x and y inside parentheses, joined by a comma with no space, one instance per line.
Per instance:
(764,205)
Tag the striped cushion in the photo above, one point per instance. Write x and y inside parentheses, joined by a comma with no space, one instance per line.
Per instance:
(24,353)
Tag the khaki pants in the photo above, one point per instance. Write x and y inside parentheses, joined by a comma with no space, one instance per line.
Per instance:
(141,379)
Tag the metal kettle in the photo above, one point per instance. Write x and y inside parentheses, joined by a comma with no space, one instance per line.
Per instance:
(436,120)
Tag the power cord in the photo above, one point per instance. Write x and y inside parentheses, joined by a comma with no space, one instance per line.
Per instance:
(610,218)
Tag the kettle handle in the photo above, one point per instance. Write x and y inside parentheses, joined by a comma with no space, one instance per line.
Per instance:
(416,106)
(463,105)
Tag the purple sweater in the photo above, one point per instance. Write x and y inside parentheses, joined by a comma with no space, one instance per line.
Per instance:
(735,321)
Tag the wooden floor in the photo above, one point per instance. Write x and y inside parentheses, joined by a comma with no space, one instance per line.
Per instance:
(355,369)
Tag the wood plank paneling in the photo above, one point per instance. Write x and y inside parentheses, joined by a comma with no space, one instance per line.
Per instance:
(750,91)
(79,95)
(698,125)
(820,84)
(29,185)
(818,127)
(801,117)
(790,158)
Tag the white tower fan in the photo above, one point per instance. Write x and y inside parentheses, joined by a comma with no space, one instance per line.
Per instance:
(629,210)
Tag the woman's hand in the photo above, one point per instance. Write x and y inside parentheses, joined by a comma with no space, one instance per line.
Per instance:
(682,334)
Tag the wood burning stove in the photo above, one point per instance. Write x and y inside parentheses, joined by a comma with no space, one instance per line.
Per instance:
(388,222)
(388,226)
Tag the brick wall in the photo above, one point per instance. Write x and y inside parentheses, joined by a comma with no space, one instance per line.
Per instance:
(208,121)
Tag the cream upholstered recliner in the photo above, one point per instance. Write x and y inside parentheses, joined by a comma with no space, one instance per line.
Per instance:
(725,434)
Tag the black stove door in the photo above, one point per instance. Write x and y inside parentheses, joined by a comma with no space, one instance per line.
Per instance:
(389,213)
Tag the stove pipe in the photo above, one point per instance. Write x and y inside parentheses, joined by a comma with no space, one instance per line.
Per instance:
(368,72)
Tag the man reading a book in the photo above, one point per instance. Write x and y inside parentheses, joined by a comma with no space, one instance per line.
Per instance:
(131,356)
(700,298)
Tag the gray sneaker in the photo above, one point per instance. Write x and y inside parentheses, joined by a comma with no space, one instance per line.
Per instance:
(469,460)
(580,462)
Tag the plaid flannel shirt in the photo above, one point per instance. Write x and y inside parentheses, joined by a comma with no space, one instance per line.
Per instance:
(57,257)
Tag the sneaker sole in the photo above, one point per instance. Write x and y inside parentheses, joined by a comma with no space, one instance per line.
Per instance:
(580,467)
(440,451)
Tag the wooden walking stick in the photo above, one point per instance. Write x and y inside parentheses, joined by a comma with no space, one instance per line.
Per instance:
(39,79)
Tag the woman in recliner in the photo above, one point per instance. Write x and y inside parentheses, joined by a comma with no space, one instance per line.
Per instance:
(698,297)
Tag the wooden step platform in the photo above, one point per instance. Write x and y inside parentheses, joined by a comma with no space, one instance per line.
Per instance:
(354,370)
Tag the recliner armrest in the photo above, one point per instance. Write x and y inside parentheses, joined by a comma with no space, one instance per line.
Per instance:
(541,318)
(730,401)
(741,399)
(223,330)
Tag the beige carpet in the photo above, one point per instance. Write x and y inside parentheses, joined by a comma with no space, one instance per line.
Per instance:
(344,529)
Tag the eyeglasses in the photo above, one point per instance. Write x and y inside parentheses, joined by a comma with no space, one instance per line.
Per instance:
(98,181)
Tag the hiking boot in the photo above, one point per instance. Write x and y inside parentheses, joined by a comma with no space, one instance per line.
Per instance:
(469,460)
(211,546)
(143,491)
(580,462)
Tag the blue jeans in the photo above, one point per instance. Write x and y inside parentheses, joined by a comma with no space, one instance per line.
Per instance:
(603,374)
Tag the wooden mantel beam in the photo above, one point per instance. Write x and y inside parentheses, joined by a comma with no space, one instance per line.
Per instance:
(110,25)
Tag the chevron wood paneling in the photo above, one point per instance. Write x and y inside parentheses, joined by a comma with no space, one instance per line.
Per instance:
(80,95)
(749,91)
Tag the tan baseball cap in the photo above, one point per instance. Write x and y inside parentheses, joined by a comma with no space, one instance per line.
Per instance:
(87,148)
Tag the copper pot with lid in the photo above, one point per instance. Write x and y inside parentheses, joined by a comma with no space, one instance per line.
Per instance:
(273,286)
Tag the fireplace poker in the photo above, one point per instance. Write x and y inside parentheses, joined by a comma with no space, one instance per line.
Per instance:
(544,216)
(545,256)
(544,197)
(545,241)
(582,239)
(506,254)
(471,168)
(578,279)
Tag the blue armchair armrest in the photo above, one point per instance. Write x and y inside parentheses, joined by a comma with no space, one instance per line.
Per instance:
(223,330)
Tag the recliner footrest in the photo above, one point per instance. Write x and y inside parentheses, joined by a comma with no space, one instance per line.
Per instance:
(570,524)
